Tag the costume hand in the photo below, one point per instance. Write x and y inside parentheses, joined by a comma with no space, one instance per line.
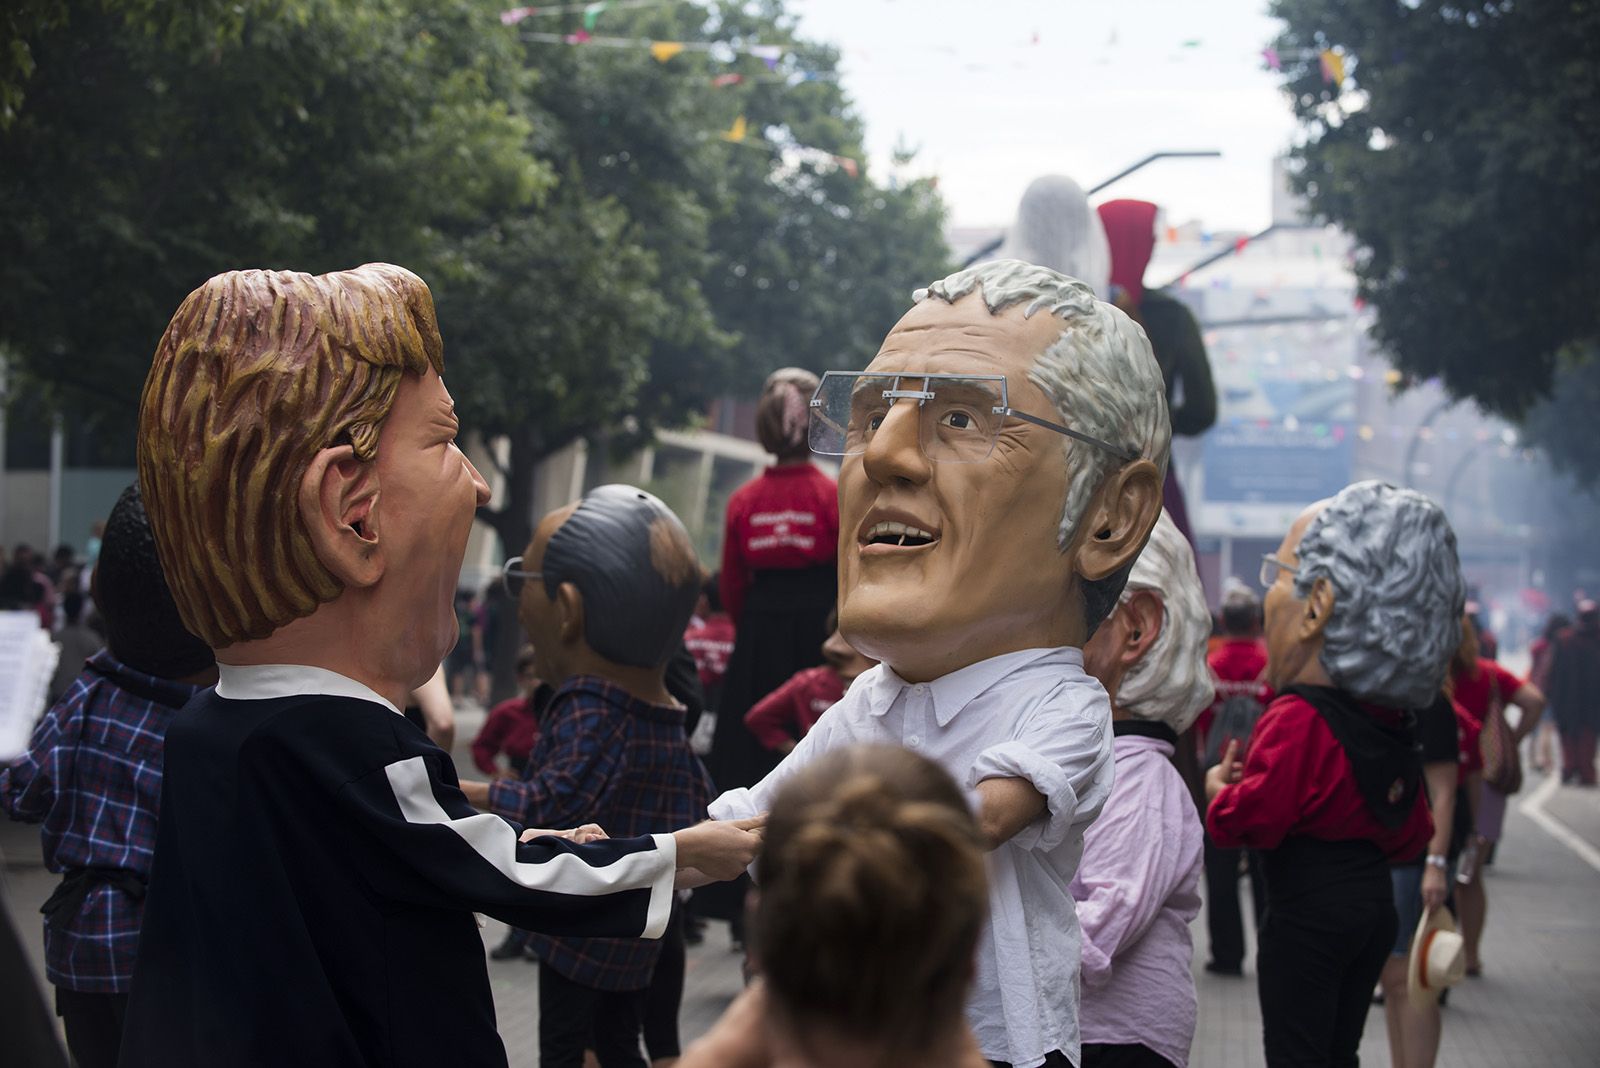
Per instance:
(722,849)
(1225,773)
(1433,887)
(589,832)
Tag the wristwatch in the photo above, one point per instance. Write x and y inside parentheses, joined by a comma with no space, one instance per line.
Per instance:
(1437,860)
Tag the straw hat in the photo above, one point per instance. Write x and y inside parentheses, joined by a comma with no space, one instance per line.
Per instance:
(1438,957)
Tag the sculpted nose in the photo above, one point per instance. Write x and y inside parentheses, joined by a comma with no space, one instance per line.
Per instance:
(478,484)
(894,454)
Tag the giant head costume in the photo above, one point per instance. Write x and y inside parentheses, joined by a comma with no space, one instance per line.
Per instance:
(1001,465)
(296,449)
(1366,594)
(1151,652)
(615,574)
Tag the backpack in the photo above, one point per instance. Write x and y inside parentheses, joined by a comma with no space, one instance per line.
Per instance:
(1235,719)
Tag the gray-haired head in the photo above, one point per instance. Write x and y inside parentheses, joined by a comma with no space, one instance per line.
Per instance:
(1100,375)
(1056,228)
(1171,683)
(635,565)
(1390,555)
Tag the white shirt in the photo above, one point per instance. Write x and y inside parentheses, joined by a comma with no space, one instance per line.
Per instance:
(263,682)
(1032,715)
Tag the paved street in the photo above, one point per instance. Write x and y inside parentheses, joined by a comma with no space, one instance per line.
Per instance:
(1535,1004)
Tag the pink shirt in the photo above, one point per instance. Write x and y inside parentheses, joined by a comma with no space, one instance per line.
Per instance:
(1137,888)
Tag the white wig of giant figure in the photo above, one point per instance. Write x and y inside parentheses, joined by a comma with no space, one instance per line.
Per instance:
(1171,683)
(1390,556)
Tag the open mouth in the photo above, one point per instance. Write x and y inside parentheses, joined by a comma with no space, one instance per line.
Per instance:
(898,535)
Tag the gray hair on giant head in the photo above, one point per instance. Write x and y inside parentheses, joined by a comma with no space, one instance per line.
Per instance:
(1390,555)
(1100,375)
(1171,683)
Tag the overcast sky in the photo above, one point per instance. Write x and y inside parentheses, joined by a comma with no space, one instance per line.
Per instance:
(1105,84)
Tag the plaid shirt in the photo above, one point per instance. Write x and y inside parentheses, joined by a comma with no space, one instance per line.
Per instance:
(92,775)
(606,757)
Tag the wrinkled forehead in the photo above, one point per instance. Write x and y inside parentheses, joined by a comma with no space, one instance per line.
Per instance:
(1290,552)
(943,338)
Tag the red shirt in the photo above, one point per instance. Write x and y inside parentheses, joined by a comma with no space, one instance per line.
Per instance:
(1297,781)
(511,728)
(1474,694)
(787,713)
(710,642)
(1238,666)
(785,518)
(1468,727)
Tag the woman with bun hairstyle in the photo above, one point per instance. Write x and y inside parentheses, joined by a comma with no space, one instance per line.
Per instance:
(872,897)
(778,584)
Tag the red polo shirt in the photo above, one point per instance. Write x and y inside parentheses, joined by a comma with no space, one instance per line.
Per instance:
(787,713)
(1297,781)
(785,518)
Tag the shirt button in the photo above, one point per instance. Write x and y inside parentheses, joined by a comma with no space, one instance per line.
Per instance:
(919,689)
(915,741)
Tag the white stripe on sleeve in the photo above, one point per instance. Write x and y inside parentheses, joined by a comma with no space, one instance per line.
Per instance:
(493,839)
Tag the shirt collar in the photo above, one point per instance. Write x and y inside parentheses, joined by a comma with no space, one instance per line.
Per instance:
(955,691)
(263,682)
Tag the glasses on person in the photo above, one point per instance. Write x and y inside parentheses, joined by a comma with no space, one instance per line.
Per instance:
(1271,565)
(512,577)
(958,416)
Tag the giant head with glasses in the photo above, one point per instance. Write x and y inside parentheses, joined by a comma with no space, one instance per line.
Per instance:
(1001,465)
(1365,594)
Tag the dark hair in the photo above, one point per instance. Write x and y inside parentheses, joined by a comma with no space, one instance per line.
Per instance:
(19,590)
(1240,617)
(635,565)
(143,629)
(524,658)
(712,588)
(1556,624)
(72,606)
(872,898)
(782,413)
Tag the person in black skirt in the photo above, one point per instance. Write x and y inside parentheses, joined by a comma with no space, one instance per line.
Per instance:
(779,583)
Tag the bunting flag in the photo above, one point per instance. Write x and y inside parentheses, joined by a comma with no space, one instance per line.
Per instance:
(1332,67)
(516,15)
(591,15)
(736,132)
(665,50)
(771,55)
(1270,54)
(722,81)
(848,165)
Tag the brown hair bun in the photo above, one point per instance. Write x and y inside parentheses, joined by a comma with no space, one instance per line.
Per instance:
(872,897)
(783,413)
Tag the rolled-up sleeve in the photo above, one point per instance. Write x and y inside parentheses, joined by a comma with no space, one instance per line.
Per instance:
(1067,759)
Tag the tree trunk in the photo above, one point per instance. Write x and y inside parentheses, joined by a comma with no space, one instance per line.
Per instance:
(514,524)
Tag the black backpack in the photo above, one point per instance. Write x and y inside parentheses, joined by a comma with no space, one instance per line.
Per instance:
(1235,719)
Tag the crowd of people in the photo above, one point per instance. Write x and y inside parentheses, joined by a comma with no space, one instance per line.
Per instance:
(964,711)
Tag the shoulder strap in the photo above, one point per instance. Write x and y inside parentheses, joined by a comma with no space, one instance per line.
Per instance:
(1383,758)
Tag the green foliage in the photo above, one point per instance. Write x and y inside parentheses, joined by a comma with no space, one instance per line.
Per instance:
(1563,425)
(1461,154)
(603,262)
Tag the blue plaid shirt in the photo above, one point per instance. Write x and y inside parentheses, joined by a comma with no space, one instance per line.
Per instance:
(92,775)
(606,757)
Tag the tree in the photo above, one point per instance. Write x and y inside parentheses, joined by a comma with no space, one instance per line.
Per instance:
(1563,425)
(1459,151)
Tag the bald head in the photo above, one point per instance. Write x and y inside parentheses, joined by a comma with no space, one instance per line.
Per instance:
(634,564)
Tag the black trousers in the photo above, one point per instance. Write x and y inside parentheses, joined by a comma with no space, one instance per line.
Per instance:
(1054,1059)
(572,1016)
(665,996)
(1104,1055)
(93,1024)
(1224,919)
(1316,969)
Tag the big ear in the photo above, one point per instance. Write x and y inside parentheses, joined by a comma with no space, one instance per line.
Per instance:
(338,504)
(1119,519)
(1143,615)
(569,609)
(1318,610)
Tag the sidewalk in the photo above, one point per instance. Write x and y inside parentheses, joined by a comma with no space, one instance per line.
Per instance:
(1538,1002)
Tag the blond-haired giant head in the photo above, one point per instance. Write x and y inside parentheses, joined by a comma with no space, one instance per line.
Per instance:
(259,372)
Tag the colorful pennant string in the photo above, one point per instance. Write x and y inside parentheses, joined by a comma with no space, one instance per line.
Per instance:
(665,50)
(1332,67)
